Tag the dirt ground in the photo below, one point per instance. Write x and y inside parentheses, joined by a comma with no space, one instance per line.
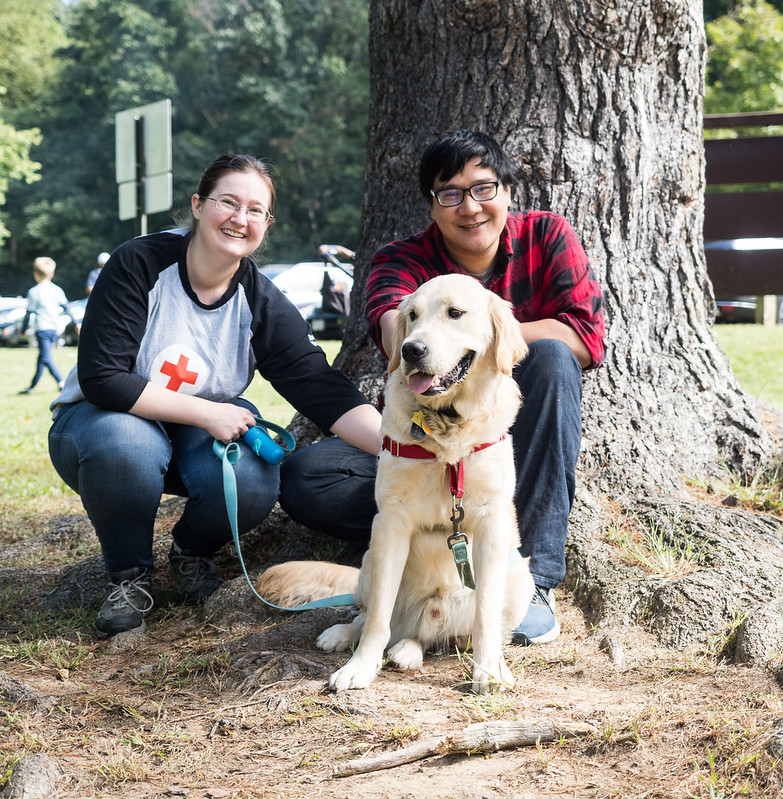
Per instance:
(199,709)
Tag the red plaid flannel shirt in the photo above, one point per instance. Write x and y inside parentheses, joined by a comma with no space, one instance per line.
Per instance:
(541,269)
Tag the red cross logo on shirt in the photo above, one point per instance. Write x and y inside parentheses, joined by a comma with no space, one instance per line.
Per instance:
(178,372)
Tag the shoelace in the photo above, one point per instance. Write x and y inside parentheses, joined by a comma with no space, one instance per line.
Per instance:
(193,568)
(540,597)
(121,594)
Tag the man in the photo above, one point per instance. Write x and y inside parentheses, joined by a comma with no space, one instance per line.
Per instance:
(95,273)
(532,259)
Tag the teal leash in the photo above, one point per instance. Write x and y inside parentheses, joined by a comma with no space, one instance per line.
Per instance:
(229,455)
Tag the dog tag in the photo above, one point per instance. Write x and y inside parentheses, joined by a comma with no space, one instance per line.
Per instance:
(419,427)
(417,432)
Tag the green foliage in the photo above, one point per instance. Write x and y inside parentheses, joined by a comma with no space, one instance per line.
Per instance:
(745,60)
(286,81)
(15,161)
(717,8)
(30,34)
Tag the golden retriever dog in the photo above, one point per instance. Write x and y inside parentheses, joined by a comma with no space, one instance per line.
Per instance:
(449,402)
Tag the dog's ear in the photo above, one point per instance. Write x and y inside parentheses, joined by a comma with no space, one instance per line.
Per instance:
(397,339)
(508,343)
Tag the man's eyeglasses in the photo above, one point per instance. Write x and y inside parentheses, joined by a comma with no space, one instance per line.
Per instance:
(228,206)
(480,192)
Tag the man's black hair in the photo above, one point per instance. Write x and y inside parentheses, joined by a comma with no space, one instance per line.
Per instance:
(451,151)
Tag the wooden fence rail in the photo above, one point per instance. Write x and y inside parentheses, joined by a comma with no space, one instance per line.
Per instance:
(733,214)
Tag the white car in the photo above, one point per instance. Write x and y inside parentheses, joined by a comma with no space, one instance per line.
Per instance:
(12,313)
(303,284)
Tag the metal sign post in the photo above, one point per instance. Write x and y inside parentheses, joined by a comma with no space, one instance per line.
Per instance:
(143,161)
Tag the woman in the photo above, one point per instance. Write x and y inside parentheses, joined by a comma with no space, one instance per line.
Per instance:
(171,337)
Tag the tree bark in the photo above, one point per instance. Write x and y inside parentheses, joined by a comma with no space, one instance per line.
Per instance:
(599,106)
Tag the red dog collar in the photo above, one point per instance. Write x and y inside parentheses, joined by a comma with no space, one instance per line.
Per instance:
(418,452)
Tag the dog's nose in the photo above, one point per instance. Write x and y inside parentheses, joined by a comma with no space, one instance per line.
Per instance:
(413,351)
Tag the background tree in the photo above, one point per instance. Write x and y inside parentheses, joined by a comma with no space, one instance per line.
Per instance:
(745,67)
(600,108)
(286,81)
(15,162)
(718,8)
(117,56)
(30,33)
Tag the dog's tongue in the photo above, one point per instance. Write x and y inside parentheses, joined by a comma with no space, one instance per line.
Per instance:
(419,382)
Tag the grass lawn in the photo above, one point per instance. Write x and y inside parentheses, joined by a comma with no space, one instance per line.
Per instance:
(756,356)
(31,491)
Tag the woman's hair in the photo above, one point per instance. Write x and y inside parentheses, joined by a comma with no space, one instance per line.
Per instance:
(232,162)
(43,268)
(450,153)
(236,163)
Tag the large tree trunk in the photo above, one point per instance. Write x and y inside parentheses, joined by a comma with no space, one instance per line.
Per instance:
(599,105)
(600,108)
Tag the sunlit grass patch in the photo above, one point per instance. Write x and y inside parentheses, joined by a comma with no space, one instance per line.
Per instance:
(760,491)
(662,550)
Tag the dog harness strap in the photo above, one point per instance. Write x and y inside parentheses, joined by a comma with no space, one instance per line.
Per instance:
(457,541)
(456,480)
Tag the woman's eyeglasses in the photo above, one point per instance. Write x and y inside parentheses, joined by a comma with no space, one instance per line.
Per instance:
(226,205)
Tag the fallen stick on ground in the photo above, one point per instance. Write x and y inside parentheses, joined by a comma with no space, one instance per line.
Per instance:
(489,736)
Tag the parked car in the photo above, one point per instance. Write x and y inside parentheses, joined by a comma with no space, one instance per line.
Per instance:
(273,270)
(70,335)
(736,309)
(321,292)
(12,311)
(743,308)
(12,314)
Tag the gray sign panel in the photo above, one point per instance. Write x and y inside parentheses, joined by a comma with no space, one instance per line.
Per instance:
(143,152)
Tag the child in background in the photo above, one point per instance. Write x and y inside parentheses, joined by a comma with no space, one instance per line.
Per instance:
(44,301)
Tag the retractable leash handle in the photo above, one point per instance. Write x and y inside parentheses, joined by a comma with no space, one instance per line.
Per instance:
(229,455)
(259,440)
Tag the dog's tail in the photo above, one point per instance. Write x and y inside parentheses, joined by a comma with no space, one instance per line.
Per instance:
(299,581)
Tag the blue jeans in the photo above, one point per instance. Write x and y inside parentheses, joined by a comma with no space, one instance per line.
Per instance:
(46,340)
(121,465)
(329,486)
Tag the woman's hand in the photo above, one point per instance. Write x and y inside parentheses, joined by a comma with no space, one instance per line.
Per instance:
(222,420)
(228,422)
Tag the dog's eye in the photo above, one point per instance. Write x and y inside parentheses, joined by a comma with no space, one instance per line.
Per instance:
(412,316)
(455,313)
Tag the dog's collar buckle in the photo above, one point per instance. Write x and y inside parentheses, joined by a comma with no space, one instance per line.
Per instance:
(458,544)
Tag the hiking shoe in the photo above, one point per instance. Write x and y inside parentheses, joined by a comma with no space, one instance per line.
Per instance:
(127,604)
(196,576)
(539,625)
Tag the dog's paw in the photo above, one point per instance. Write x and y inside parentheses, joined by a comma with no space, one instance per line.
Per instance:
(354,674)
(339,637)
(407,654)
(492,680)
